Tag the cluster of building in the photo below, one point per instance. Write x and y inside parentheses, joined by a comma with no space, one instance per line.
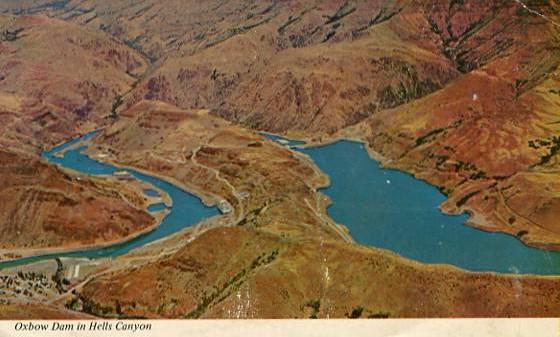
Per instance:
(29,284)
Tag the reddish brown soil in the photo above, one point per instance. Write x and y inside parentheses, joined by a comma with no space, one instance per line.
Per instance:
(48,93)
(247,273)
(463,94)
(282,259)
(52,86)
(42,207)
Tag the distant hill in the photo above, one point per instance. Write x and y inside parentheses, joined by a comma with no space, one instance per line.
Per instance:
(58,79)
(464,94)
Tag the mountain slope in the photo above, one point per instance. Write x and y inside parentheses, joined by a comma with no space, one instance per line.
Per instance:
(489,138)
(284,257)
(279,66)
(54,85)
(463,94)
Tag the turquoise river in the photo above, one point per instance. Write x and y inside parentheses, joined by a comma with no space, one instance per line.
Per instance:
(381,207)
(185,211)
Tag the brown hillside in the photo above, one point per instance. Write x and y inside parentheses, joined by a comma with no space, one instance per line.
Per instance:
(58,79)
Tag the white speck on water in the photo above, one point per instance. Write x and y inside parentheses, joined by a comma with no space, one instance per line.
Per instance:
(388,181)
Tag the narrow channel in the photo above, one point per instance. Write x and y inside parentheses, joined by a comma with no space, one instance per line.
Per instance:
(382,208)
(186,209)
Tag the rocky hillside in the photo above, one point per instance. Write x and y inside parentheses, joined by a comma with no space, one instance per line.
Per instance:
(57,80)
(43,207)
(214,158)
(284,257)
(249,273)
(280,66)
(490,138)
(301,65)
(464,94)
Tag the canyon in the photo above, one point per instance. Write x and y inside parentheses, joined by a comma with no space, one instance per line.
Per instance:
(461,94)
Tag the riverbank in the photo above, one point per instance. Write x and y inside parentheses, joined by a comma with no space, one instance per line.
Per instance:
(19,254)
(391,209)
(207,198)
(286,238)
(540,238)
(131,185)
(77,162)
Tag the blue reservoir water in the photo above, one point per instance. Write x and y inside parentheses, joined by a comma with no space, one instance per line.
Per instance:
(382,208)
(287,142)
(393,210)
(151,193)
(186,210)
(160,206)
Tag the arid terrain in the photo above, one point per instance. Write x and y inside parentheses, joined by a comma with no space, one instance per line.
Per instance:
(55,85)
(464,95)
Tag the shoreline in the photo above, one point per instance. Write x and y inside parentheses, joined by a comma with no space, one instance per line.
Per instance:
(40,252)
(453,268)
(325,185)
(208,201)
(475,220)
